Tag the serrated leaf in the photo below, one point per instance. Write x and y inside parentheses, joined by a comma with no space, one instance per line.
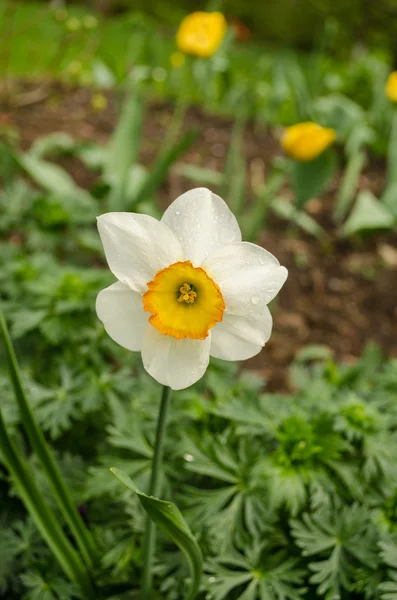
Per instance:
(170,520)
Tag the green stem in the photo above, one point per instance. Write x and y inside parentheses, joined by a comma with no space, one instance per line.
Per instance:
(39,445)
(175,126)
(392,152)
(181,106)
(44,518)
(154,488)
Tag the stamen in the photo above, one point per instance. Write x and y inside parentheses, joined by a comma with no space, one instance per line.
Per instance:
(187,294)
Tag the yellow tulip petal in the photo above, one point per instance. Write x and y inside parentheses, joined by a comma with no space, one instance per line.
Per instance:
(201,33)
(305,141)
(391,86)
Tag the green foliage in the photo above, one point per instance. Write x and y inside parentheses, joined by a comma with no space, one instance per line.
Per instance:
(286,494)
(310,178)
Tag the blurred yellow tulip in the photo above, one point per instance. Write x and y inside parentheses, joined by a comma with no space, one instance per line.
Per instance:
(305,141)
(201,33)
(391,86)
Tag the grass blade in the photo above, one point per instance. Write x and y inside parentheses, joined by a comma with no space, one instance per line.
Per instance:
(286,210)
(42,515)
(39,445)
(349,184)
(124,146)
(162,165)
(392,152)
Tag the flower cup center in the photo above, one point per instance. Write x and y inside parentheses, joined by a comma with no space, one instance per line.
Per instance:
(184,301)
(188,294)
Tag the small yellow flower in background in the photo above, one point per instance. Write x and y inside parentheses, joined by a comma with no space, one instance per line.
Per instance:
(305,141)
(90,22)
(201,33)
(99,102)
(73,24)
(391,86)
(177,60)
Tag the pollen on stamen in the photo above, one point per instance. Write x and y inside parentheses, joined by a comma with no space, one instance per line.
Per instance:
(187,294)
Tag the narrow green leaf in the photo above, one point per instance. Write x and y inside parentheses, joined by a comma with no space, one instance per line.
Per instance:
(285,209)
(42,515)
(392,152)
(170,520)
(162,165)
(299,88)
(124,146)
(368,214)
(234,173)
(54,143)
(310,178)
(39,445)
(389,198)
(52,177)
(348,188)
(199,174)
(254,218)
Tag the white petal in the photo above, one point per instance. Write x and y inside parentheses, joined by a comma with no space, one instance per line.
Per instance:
(121,312)
(172,362)
(249,277)
(136,247)
(202,222)
(241,337)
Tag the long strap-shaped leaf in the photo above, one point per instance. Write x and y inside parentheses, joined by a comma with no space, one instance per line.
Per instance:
(42,514)
(169,519)
(392,152)
(64,499)
(163,162)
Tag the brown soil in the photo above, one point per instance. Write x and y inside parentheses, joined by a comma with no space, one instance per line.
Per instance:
(342,294)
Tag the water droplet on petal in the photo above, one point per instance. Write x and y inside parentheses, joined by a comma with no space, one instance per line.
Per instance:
(254,299)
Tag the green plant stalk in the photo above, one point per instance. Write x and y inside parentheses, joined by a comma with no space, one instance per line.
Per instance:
(181,106)
(176,124)
(39,445)
(392,152)
(348,187)
(162,164)
(235,167)
(150,531)
(42,515)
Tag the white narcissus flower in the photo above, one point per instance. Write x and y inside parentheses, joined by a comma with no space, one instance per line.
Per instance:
(187,287)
